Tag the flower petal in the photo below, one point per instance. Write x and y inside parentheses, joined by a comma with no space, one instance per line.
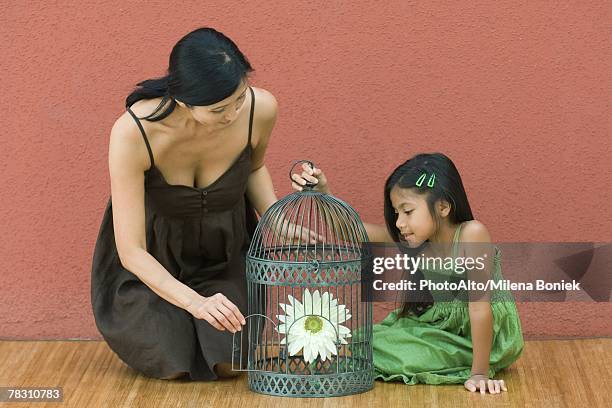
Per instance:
(288,309)
(316,303)
(298,328)
(309,353)
(307,302)
(333,303)
(331,347)
(323,351)
(295,345)
(328,329)
(325,298)
(294,302)
(298,308)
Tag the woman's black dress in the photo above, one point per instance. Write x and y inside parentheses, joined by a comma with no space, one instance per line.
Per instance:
(200,235)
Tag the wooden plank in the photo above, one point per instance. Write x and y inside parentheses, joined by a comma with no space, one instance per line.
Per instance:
(551,373)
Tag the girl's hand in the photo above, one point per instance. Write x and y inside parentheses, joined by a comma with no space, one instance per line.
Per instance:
(218,311)
(482,382)
(314,176)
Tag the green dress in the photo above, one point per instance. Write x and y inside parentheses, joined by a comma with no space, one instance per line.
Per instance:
(436,347)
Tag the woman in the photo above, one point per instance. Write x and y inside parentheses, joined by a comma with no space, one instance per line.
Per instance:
(186,160)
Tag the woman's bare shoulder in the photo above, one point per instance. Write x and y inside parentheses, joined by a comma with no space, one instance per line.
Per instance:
(266,106)
(126,139)
(125,123)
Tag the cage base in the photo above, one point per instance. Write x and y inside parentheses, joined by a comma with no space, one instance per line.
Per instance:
(308,386)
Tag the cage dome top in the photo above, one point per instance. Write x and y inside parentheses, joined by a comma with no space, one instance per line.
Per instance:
(308,226)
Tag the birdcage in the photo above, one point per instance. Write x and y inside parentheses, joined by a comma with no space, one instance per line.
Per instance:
(308,332)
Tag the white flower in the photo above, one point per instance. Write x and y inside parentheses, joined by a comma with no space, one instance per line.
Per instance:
(312,325)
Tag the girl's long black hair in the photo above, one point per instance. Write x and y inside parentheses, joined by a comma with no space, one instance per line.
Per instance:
(447,187)
(205,67)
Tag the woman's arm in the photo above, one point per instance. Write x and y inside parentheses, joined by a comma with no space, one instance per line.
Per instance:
(128,159)
(260,189)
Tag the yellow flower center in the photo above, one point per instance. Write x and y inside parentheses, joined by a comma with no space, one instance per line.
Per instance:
(313,324)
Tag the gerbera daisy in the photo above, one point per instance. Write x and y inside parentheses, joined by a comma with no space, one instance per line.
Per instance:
(312,325)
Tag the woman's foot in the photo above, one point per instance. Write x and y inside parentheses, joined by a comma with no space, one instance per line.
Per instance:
(224,370)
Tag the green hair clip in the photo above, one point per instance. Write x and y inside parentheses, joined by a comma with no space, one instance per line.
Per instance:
(430,182)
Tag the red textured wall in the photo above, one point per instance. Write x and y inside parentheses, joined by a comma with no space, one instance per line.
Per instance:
(516,93)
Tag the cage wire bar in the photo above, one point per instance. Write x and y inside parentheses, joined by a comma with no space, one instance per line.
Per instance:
(308,333)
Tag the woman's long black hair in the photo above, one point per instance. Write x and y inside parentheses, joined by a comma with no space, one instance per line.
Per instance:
(205,67)
(447,187)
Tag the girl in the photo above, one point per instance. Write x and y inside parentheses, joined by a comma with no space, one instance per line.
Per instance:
(186,161)
(441,342)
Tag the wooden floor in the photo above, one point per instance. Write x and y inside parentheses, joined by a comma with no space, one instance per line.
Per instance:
(567,373)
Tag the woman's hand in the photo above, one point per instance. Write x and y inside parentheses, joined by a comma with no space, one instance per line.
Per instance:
(482,382)
(218,311)
(295,233)
(311,175)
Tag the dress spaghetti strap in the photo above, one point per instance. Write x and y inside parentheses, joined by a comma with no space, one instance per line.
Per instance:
(457,233)
(251,113)
(144,135)
(456,239)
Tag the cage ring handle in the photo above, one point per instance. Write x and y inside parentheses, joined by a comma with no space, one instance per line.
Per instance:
(314,265)
(308,184)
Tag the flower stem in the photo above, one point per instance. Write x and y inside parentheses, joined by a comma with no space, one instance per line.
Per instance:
(313,366)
